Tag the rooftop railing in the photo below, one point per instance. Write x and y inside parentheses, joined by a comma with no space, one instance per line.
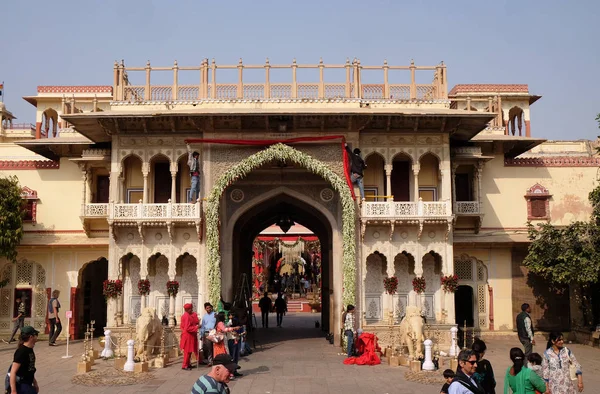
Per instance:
(211,87)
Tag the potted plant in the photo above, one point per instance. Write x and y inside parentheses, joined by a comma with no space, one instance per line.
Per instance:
(390,284)
(144,287)
(112,288)
(449,283)
(419,284)
(172,288)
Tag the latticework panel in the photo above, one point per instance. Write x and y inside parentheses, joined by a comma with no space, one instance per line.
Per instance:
(40,302)
(480,272)
(40,276)
(7,273)
(481,298)
(463,269)
(5,296)
(24,273)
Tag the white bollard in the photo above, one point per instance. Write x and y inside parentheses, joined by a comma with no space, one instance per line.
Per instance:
(428,363)
(107,352)
(453,346)
(130,364)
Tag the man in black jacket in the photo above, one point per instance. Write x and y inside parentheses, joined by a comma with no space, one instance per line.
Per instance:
(525,329)
(357,166)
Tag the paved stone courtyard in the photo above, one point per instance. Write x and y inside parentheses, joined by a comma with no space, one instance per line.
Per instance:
(288,360)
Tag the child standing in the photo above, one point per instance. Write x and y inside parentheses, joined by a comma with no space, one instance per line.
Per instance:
(448,375)
(535,364)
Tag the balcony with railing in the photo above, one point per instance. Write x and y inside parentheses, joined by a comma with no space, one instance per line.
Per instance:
(139,213)
(467,208)
(129,87)
(398,210)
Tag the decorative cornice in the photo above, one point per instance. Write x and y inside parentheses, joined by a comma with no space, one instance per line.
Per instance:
(283,100)
(558,161)
(498,88)
(75,89)
(29,165)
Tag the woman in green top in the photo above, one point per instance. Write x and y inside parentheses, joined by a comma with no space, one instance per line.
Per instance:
(522,380)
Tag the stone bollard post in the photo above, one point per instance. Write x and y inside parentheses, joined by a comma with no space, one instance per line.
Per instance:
(107,352)
(130,364)
(453,346)
(428,363)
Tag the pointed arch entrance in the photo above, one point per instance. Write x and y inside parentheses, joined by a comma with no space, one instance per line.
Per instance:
(284,153)
(260,213)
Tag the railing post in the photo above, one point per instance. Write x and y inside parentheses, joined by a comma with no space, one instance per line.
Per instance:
(122,80)
(202,83)
(490,104)
(294,79)
(348,80)
(240,84)
(169,213)
(468,103)
(321,79)
(386,82)
(357,92)
(267,93)
(413,83)
(437,82)
(358,77)
(140,212)
(175,89)
(115,81)
(420,208)
(213,89)
(444,93)
(95,103)
(147,91)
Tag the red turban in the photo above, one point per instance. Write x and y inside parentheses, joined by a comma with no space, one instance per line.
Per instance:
(188,306)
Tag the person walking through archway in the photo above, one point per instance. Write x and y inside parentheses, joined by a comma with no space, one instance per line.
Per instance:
(265,304)
(19,320)
(189,336)
(280,308)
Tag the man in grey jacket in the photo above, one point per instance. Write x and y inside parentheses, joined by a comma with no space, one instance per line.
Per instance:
(194,165)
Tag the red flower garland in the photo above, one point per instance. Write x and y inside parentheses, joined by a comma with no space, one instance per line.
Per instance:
(390,284)
(419,284)
(112,288)
(144,286)
(449,283)
(173,288)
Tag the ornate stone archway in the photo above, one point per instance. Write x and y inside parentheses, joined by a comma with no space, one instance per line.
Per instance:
(243,168)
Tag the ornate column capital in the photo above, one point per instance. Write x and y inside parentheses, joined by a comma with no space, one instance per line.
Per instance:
(388,169)
(416,169)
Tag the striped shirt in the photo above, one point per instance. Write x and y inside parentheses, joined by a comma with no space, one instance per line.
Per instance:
(205,384)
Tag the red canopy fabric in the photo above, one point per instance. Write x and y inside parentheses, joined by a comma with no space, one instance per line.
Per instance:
(366,346)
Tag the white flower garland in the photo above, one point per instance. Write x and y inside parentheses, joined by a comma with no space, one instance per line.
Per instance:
(243,168)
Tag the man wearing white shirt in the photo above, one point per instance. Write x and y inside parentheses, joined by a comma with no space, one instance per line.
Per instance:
(464,382)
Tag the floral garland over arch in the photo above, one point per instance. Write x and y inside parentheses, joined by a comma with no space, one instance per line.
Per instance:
(281,152)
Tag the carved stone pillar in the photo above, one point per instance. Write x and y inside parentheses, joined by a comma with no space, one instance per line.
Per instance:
(145,172)
(171,310)
(454,168)
(173,187)
(445,181)
(479,172)
(88,193)
(121,191)
(388,181)
(416,168)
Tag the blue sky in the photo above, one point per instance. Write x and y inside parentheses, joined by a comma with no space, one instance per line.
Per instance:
(550,45)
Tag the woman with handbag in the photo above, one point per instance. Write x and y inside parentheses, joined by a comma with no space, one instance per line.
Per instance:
(219,346)
(560,367)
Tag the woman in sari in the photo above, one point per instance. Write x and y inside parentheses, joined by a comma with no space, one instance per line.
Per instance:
(220,347)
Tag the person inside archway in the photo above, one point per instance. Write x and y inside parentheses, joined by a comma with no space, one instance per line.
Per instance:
(280,308)
(349,329)
(357,166)
(265,304)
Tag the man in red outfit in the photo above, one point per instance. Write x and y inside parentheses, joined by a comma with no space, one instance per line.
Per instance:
(189,335)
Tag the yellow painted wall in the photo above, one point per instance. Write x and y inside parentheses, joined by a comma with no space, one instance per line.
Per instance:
(504,189)
(428,174)
(59,191)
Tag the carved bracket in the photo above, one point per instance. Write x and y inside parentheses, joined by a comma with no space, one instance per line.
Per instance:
(140,228)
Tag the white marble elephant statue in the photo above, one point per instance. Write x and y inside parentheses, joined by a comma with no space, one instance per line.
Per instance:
(411,332)
(149,331)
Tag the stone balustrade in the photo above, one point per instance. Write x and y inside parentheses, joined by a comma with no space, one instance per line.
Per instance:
(142,212)
(405,209)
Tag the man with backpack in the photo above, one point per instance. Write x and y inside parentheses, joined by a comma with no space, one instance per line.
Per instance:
(55,325)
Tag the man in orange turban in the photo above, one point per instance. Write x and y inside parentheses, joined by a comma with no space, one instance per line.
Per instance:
(189,336)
